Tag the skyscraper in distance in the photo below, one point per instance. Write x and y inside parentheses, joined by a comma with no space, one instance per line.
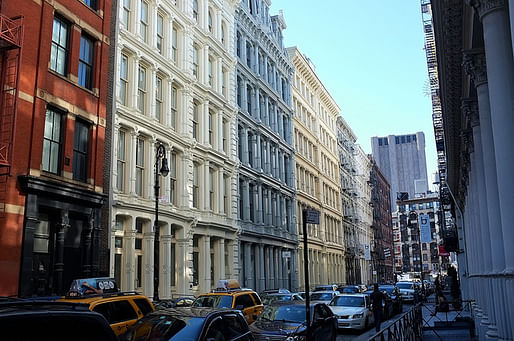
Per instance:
(402,160)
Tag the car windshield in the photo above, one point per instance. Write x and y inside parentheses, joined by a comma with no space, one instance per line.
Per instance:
(273,298)
(164,327)
(348,301)
(213,301)
(350,290)
(288,313)
(322,296)
(389,290)
(405,285)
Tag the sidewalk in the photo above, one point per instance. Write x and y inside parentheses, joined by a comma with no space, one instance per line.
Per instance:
(452,325)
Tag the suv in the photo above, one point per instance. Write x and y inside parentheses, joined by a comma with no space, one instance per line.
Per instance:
(120,309)
(187,323)
(51,320)
(245,300)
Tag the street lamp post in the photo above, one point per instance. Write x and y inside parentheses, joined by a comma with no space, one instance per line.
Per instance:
(164,170)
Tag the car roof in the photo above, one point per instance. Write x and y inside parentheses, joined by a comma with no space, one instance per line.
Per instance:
(324,292)
(355,295)
(88,299)
(282,303)
(182,313)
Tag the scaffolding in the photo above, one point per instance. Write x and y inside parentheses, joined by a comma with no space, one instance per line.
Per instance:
(11,40)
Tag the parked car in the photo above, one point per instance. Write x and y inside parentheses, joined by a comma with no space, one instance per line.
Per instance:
(192,324)
(407,289)
(52,321)
(268,299)
(233,297)
(120,309)
(286,321)
(350,289)
(329,287)
(352,311)
(302,294)
(396,296)
(186,301)
(323,296)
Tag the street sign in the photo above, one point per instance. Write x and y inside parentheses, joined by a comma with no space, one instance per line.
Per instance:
(286,254)
(311,216)
(424,228)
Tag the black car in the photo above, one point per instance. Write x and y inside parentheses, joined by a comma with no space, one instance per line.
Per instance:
(270,298)
(50,320)
(185,301)
(350,289)
(286,320)
(189,323)
(396,296)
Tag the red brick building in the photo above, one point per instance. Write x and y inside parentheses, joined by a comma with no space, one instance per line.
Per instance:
(53,126)
(382,253)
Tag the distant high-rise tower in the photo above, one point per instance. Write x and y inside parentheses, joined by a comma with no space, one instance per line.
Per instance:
(402,160)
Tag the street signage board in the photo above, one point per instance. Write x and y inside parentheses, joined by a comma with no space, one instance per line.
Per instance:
(286,254)
(312,217)
(424,228)
(367,252)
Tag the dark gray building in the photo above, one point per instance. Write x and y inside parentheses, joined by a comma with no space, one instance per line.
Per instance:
(402,160)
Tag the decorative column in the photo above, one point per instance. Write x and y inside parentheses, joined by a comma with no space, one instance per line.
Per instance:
(219,260)
(165,262)
(272,266)
(259,204)
(245,159)
(269,220)
(148,259)
(129,254)
(262,268)
(248,264)
(204,266)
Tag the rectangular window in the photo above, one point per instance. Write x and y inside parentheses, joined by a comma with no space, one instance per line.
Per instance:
(91,3)
(211,72)
(158,99)
(59,52)
(123,79)
(141,89)
(225,134)
(121,161)
(86,62)
(140,166)
(52,142)
(211,189)
(125,15)
(144,21)
(160,33)
(224,83)
(195,120)
(174,44)
(211,123)
(196,189)
(81,151)
(172,264)
(173,178)
(173,100)
(226,186)
(195,10)
(196,65)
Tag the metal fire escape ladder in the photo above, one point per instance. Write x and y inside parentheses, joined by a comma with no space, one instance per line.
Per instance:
(11,36)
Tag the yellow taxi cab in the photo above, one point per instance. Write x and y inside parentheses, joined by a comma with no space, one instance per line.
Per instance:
(228,294)
(120,309)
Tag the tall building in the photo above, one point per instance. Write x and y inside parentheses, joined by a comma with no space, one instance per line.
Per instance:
(266,188)
(175,88)
(53,120)
(402,160)
(347,173)
(474,44)
(382,247)
(317,173)
(363,213)
(418,252)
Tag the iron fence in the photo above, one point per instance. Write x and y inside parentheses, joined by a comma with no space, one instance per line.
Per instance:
(407,327)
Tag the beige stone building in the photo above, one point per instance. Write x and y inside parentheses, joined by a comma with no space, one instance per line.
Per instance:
(317,173)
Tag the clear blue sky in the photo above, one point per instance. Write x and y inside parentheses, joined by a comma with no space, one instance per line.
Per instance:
(370,57)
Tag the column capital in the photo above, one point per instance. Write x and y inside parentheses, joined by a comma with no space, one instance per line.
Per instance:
(484,7)
(467,140)
(469,109)
(474,64)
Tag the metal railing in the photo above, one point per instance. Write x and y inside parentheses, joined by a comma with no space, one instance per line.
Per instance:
(407,327)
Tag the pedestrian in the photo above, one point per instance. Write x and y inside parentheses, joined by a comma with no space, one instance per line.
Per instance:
(377,298)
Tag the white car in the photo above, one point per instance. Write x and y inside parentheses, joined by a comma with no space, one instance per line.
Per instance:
(407,290)
(323,296)
(353,311)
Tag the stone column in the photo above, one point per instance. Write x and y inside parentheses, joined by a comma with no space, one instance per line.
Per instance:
(267,165)
(259,204)
(129,253)
(149,173)
(219,260)
(262,268)
(165,262)
(272,267)
(148,261)
(248,264)
(132,164)
(244,144)
(204,266)
(133,83)
(269,213)
(258,160)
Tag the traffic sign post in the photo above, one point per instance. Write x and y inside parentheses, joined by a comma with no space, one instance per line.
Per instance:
(309,217)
